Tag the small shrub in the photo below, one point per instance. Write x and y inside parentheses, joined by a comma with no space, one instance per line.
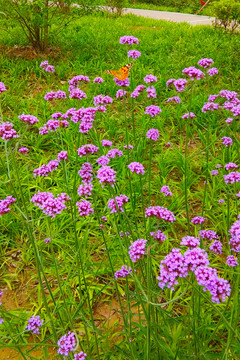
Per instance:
(227,13)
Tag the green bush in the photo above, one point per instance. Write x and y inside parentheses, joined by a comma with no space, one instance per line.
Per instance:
(116,5)
(227,13)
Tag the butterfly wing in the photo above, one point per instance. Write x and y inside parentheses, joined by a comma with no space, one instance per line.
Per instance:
(122,73)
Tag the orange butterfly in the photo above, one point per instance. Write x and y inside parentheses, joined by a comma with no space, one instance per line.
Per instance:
(122,73)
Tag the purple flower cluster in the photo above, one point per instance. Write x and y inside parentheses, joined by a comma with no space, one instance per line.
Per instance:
(134,54)
(158,235)
(86,173)
(137,249)
(86,149)
(120,93)
(153,134)
(160,212)
(214,172)
(149,79)
(80,356)
(190,241)
(106,143)
(77,94)
(153,110)
(44,170)
(198,220)
(209,106)
(55,95)
(179,84)
(205,63)
(106,175)
(194,73)
(85,190)
(66,344)
(190,115)
(52,125)
(23,150)
(113,153)
(123,83)
(166,191)
(62,155)
(74,82)
(5,203)
(136,167)
(31,119)
(103,160)
(230,166)
(151,92)
(84,208)
(232,261)
(235,236)
(49,68)
(123,272)
(195,257)
(34,324)
(102,99)
(213,71)
(130,40)
(98,80)
(48,204)
(232,177)
(117,203)
(175,99)
(216,247)
(2,87)
(227,141)
(7,132)
(208,234)
(137,91)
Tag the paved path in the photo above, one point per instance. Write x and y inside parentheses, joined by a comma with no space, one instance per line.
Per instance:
(172,16)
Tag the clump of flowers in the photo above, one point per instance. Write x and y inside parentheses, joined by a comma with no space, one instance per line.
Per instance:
(5,203)
(194,73)
(208,234)
(232,177)
(23,150)
(235,236)
(84,208)
(123,272)
(130,40)
(98,80)
(85,190)
(149,79)
(7,132)
(86,173)
(113,153)
(80,356)
(190,241)
(86,149)
(103,160)
(213,71)
(232,261)
(50,205)
(2,87)
(152,110)
(31,119)
(195,257)
(117,203)
(120,93)
(151,92)
(45,65)
(106,143)
(134,54)
(205,63)
(66,344)
(216,246)
(45,170)
(77,94)
(227,141)
(34,324)
(198,220)
(106,175)
(102,99)
(55,95)
(137,249)
(136,167)
(158,235)
(160,212)
(62,155)
(153,134)
(166,191)
(175,99)
(190,115)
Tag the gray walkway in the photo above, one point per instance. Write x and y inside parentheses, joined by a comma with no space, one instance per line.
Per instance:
(172,16)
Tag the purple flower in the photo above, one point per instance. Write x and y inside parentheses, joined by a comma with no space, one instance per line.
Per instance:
(235,236)
(213,71)
(98,80)
(195,257)
(205,63)
(117,203)
(229,120)
(80,356)
(62,155)
(106,142)
(232,177)
(5,203)
(180,84)
(113,153)
(227,141)
(212,97)
(47,240)
(74,82)
(209,106)
(153,134)
(66,344)
(190,241)
(216,246)
(230,166)
(129,147)
(169,82)
(158,235)
(214,172)
(45,170)
(198,220)
(194,73)
(123,83)
(123,272)
(34,324)
(160,212)
(130,40)
(85,149)
(7,132)
(102,99)
(84,208)
(140,88)
(31,119)
(232,261)
(190,115)
(151,92)
(120,93)
(136,167)
(171,268)
(134,54)
(106,175)
(103,160)
(221,201)
(208,234)
(149,79)
(2,87)
(49,68)
(135,94)
(86,173)
(175,99)
(48,204)
(77,94)
(166,191)
(23,150)
(152,110)
(85,190)
(137,249)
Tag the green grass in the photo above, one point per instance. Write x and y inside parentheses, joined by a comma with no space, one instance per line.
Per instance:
(69,281)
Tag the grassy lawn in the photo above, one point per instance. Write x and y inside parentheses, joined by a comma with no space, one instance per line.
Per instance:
(69,282)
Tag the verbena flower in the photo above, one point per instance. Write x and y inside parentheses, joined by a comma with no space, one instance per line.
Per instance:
(103,160)
(48,204)
(62,155)
(55,95)
(117,203)
(214,172)
(123,272)
(227,141)
(137,249)
(221,201)
(212,97)
(152,110)
(47,240)
(227,94)
(84,207)
(194,73)
(98,80)
(47,67)
(76,80)
(80,356)
(2,87)
(180,84)
(175,99)
(205,63)
(113,153)
(229,120)
(5,203)
(86,149)
(208,234)
(136,167)
(86,173)
(31,119)
(102,99)
(85,190)
(213,71)
(123,83)
(232,261)
(216,247)
(7,132)
(230,166)
(130,40)
(232,177)
(128,146)
(45,170)
(198,220)
(106,175)
(77,94)
(120,93)
(234,232)
(190,115)
(151,92)
(160,212)
(134,54)
(66,344)
(158,235)
(166,191)
(153,134)
(209,106)
(195,257)
(106,142)
(23,150)
(34,324)
(190,241)
(150,79)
